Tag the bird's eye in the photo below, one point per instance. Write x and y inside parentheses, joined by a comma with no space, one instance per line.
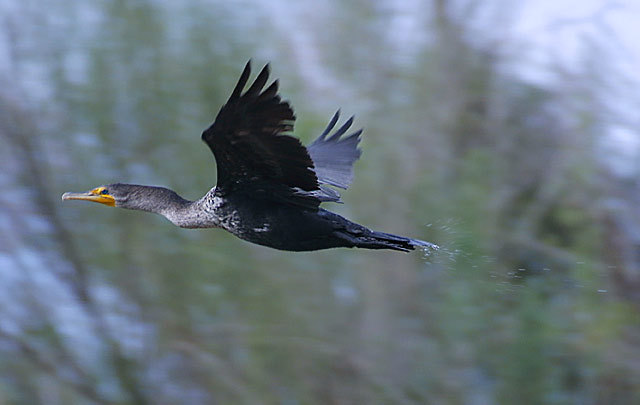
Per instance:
(104,191)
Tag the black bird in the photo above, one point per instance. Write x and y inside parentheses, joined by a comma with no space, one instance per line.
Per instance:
(269,185)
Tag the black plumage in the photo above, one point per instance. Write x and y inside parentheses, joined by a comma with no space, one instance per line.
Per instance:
(269,185)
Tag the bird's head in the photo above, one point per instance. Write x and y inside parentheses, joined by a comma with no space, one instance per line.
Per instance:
(113,195)
(131,196)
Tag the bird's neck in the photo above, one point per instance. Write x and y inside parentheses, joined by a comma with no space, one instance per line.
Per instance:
(181,212)
(194,214)
(159,200)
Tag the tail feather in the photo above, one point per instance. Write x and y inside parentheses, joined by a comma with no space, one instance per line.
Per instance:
(381,240)
(345,233)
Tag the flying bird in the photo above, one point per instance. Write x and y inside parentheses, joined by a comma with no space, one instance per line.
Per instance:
(269,186)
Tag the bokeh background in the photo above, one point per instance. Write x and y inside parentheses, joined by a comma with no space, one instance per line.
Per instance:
(507,132)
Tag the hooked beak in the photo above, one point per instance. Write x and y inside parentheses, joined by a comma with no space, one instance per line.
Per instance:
(94,195)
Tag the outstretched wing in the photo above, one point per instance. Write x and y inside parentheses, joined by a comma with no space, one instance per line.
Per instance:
(333,156)
(254,154)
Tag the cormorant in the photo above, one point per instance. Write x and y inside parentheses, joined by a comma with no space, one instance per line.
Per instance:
(269,185)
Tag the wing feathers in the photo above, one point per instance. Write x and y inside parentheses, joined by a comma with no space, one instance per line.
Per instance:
(333,157)
(270,92)
(330,126)
(242,82)
(342,130)
(253,152)
(259,83)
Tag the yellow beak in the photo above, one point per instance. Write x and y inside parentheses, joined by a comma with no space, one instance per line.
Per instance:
(94,195)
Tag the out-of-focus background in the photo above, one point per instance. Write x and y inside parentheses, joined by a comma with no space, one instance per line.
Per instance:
(507,132)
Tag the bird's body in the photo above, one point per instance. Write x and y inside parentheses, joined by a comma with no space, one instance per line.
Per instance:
(269,185)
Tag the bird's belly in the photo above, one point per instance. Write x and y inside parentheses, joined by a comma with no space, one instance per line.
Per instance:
(285,228)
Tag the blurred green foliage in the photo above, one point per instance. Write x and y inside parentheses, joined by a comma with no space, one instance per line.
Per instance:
(523,304)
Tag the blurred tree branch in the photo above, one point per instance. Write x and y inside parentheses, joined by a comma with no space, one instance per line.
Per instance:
(53,368)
